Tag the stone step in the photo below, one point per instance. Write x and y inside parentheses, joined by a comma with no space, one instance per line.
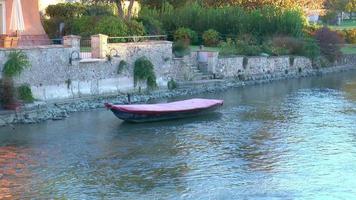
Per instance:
(198,83)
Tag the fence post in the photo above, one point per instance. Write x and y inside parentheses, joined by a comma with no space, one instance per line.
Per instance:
(72,41)
(99,46)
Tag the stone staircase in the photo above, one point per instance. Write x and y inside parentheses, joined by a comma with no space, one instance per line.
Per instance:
(195,74)
(192,73)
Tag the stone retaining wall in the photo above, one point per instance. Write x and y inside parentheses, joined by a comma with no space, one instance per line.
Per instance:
(51,76)
(258,66)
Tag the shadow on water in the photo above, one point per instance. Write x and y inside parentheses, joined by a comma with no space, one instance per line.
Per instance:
(213,116)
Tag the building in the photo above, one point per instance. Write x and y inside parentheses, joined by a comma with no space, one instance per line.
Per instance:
(26,16)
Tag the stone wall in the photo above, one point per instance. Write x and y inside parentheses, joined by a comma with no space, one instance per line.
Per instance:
(51,76)
(259,66)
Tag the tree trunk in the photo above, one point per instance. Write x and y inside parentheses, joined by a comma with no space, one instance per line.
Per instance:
(129,10)
(120,8)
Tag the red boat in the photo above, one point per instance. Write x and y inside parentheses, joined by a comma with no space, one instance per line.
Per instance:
(164,111)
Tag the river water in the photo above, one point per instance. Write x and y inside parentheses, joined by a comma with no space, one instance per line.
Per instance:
(291,139)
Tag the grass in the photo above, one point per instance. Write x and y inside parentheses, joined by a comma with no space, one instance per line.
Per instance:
(196,48)
(350,24)
(349,49)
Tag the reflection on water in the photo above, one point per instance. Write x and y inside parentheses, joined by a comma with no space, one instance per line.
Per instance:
(286,140)
(14,172)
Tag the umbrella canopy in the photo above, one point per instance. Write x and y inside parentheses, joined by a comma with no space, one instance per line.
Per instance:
(17,21)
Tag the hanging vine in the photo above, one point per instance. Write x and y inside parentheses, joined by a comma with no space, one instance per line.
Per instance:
(144,72)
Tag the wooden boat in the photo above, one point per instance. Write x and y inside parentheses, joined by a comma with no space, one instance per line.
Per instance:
(164,111)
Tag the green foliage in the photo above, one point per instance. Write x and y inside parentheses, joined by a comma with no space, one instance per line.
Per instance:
(121,67)
(25,93)
(186,35)
(180,49)
(152,26)
(144,71)
(111,26)
(172,84)
(211,38)
(100,9)
(84,26)
(232,20)
(135,28)
(16,63)
(311,49)
(65,10)
(228,48)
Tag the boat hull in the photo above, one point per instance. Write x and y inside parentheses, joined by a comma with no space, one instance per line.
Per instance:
(141,118)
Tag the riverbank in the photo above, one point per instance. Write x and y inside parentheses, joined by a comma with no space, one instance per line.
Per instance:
(59,110)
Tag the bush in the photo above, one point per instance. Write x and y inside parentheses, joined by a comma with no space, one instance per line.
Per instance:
(25,93)
(99,10)
(291,45)
(135,28)
(144,71)
(112,26)
(185,35)
(180,49)
(211,38)
(311,49)
(152,26)
(350,36)
(84,26)
(228,48)
(242,46)
(65,10)
(172,84)
(329,42)
(16,63)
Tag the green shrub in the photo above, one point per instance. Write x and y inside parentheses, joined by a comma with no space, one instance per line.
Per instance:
(152,26)
(121,67)
(228,48)
(172,84)
(311,49)
(186,35)
(65,10)
(111,26)
(144,71)
(180,49)
(16,63)
(83,26)
(99,10)
(25,93)
(211,38)
(330,43)
(135,28)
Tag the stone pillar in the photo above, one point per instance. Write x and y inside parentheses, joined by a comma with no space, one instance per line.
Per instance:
(72,41)
(99,46)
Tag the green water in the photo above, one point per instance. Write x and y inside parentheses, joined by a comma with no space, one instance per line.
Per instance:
(286,140)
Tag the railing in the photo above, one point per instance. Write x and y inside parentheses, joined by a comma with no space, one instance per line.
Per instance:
(15,42)
(136,38)
(85,48)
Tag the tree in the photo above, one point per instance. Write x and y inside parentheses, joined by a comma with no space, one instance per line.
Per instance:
(119,4)
(251,4)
